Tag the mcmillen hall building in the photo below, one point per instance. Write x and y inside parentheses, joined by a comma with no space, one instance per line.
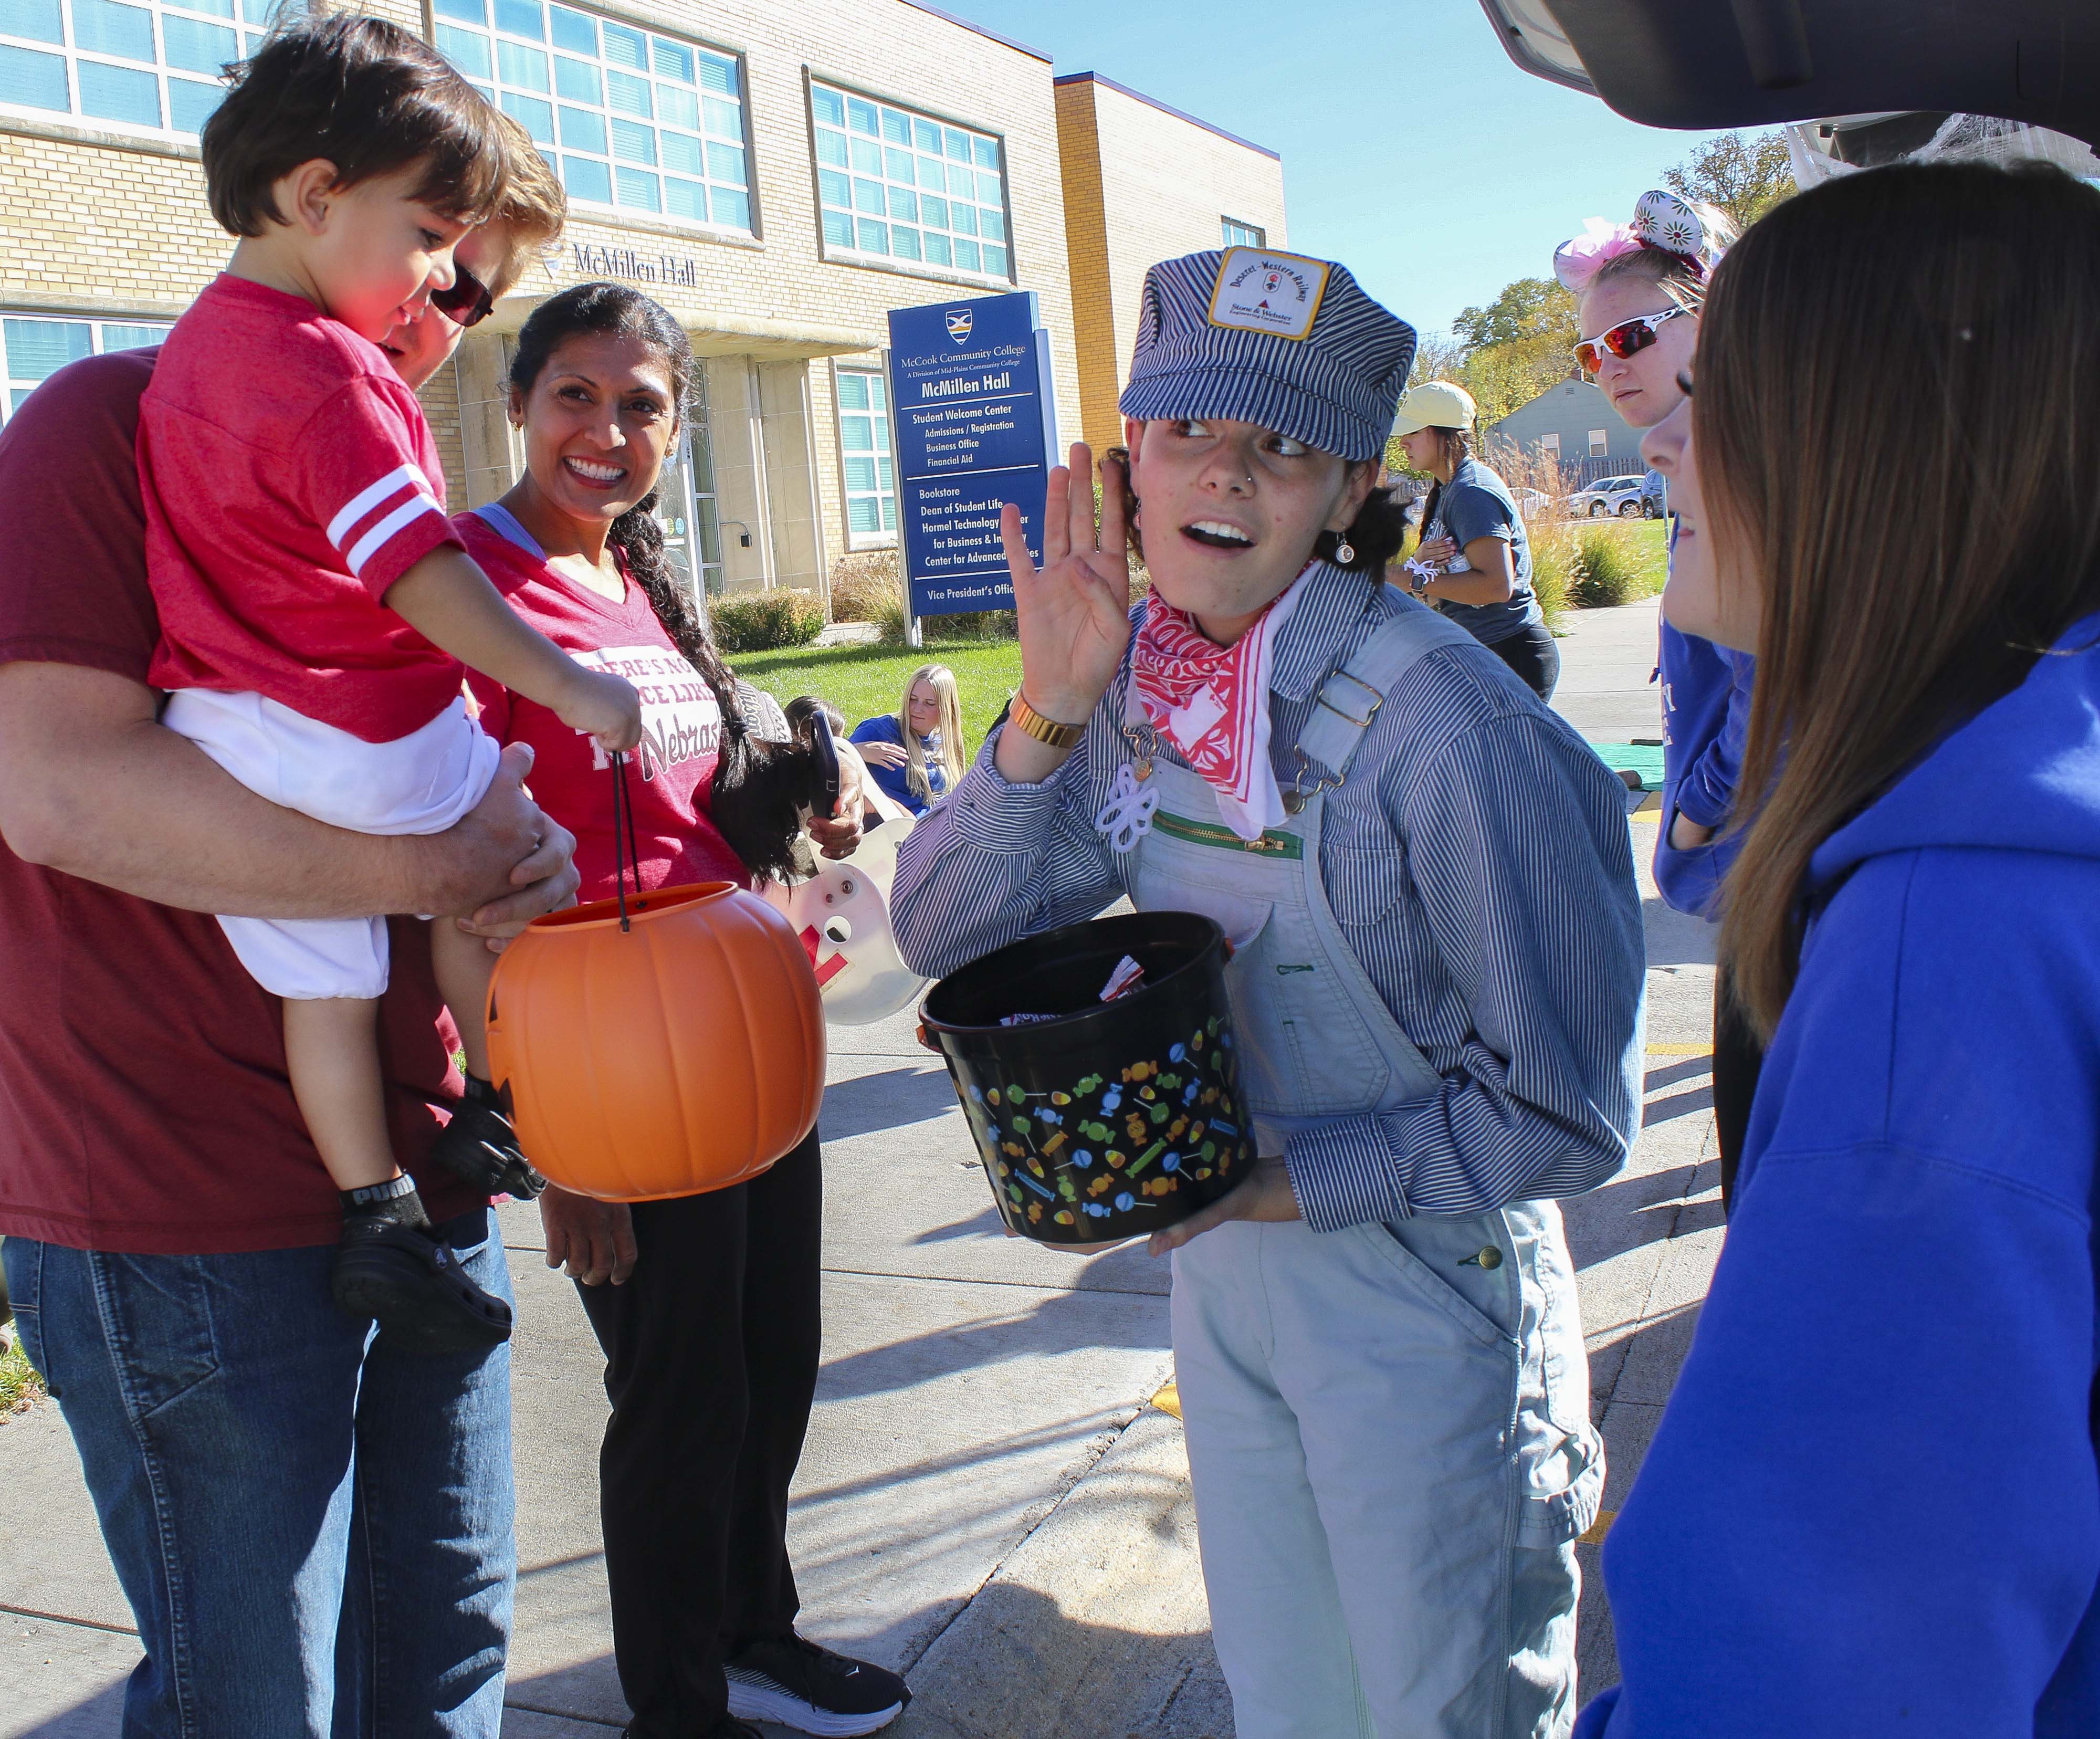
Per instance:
(779,175)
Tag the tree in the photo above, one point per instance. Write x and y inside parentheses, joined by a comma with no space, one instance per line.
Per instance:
(1529,309)
(1438,356)
(1745,174)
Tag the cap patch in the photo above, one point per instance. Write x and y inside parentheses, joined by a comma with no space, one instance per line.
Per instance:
(1259,290)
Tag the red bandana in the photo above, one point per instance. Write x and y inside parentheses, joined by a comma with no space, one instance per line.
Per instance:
(1212,702)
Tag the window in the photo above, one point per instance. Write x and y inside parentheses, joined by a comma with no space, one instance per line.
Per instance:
(152,67)
(870,474)
(1550,445)
(37,345)
(1239,235)
(896,186)
(1598,444)
(633,120)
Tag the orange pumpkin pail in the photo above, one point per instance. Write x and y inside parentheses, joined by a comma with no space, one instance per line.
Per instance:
(667,1049)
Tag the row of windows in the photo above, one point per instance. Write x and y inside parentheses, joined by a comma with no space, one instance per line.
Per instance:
(155,64)
(631,119)
(33,349)
(1600,444)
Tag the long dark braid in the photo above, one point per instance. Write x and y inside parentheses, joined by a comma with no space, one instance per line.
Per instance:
(759,788)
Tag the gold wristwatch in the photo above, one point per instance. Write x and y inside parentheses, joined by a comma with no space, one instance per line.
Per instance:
(1049,732)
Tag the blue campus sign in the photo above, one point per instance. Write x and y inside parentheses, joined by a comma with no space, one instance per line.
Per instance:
(977,426)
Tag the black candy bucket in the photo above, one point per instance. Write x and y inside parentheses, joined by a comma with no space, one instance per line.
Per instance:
(1114,1119)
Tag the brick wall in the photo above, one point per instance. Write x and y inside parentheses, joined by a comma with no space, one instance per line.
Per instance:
(1142,184)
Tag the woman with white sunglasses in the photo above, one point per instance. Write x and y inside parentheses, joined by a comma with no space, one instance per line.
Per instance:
(1639,287)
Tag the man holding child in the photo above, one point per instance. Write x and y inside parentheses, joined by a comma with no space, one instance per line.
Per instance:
(314,1530)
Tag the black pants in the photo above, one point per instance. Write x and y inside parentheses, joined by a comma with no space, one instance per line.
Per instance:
(710,1354)
(1532,654)
(1738,1059)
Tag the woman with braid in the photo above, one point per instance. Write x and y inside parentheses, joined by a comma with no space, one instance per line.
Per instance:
(710,1324)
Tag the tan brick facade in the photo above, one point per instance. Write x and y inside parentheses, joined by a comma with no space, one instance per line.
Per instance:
(1144,183)
(98,223)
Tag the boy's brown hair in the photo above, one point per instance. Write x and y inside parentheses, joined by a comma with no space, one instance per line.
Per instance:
(533,210)
(366,96)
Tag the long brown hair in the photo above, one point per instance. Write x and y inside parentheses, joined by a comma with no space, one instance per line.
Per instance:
(1897,421)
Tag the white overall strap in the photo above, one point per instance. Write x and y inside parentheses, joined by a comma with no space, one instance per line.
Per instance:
(1349,700)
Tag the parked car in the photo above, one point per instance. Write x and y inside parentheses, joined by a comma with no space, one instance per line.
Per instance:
(1608,495)
(1654,496)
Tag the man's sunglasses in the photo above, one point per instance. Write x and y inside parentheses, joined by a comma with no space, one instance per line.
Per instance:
(467,302)
(1626,339)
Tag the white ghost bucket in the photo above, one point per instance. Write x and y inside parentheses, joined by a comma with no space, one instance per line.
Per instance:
(842,915)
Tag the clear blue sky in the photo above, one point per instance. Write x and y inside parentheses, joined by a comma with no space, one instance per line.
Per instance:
(1413,150)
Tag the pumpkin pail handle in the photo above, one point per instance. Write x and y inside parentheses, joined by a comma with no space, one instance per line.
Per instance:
(624,853)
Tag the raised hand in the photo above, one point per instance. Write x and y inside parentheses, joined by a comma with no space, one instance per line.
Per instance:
(1075,610)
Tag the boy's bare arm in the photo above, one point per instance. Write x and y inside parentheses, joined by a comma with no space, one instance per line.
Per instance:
(92,784)
(447,600)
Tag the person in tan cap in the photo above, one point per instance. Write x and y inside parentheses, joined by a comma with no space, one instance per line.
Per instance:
(1474,563)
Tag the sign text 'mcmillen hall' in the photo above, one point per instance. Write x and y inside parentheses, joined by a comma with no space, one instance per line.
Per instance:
(594,261)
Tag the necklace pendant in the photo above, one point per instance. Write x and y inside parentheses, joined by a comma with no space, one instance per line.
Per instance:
(1142,767)
(1294,802)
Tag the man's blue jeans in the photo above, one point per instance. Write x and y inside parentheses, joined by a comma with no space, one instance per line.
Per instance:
(316,1538)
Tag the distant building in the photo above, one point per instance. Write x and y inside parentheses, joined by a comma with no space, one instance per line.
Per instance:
(1574,424)
(1144,182)
(779,174)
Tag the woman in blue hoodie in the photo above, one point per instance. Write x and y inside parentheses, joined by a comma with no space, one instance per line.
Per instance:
(1871,1507)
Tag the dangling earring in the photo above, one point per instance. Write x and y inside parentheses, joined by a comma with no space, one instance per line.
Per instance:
(1345,552)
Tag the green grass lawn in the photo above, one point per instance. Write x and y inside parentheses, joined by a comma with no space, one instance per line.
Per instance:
(861,681)
(19,1385)
(1650,542)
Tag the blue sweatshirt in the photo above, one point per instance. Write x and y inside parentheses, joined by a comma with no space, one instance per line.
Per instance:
(1873,1507)
(1705,722)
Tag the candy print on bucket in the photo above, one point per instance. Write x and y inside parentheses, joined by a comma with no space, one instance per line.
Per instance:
(1097,1121)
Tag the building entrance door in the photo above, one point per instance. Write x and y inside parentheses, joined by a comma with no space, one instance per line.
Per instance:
(686,500)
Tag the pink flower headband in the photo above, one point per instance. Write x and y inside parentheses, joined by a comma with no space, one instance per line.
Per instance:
(1661,221)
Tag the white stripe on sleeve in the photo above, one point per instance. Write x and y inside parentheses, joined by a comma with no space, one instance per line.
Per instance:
(413,508)
(365,500)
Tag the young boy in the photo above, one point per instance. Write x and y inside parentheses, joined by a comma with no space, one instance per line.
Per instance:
(315,605)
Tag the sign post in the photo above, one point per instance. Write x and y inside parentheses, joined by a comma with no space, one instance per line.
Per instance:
(974,425)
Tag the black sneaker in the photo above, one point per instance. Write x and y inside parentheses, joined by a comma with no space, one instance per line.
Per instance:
(412,1283)
(480,1146)
(794,1683)
(727,1727)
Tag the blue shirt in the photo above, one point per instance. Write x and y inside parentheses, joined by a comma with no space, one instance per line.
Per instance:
(1477,503)
(1870,1510)
(1705,725)
(896,781)
(1482,870)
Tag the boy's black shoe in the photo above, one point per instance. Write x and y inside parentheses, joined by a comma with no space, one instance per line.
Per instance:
(480,1146)
(795,1683)
(410,1280)
(727,1727)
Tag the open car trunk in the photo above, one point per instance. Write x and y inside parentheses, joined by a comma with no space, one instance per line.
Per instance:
(1708,63)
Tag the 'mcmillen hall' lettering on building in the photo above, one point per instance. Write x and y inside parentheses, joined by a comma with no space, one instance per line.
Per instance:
(593,261)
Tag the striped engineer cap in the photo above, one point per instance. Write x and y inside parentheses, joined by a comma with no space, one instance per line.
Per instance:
(1277,339)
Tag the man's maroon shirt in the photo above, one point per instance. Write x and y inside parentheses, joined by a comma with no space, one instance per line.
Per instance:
(144,1105)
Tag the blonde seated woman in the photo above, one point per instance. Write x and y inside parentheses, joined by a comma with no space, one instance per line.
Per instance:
(916,753)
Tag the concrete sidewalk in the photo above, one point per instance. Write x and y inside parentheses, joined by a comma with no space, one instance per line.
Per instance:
(987,1502)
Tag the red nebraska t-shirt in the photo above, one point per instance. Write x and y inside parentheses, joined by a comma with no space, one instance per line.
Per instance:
(669,777)
(144,1102)
(289,479)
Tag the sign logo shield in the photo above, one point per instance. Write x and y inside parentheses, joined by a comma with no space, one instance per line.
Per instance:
(958,324)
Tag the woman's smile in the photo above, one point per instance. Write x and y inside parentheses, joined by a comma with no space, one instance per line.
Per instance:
(595,473)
